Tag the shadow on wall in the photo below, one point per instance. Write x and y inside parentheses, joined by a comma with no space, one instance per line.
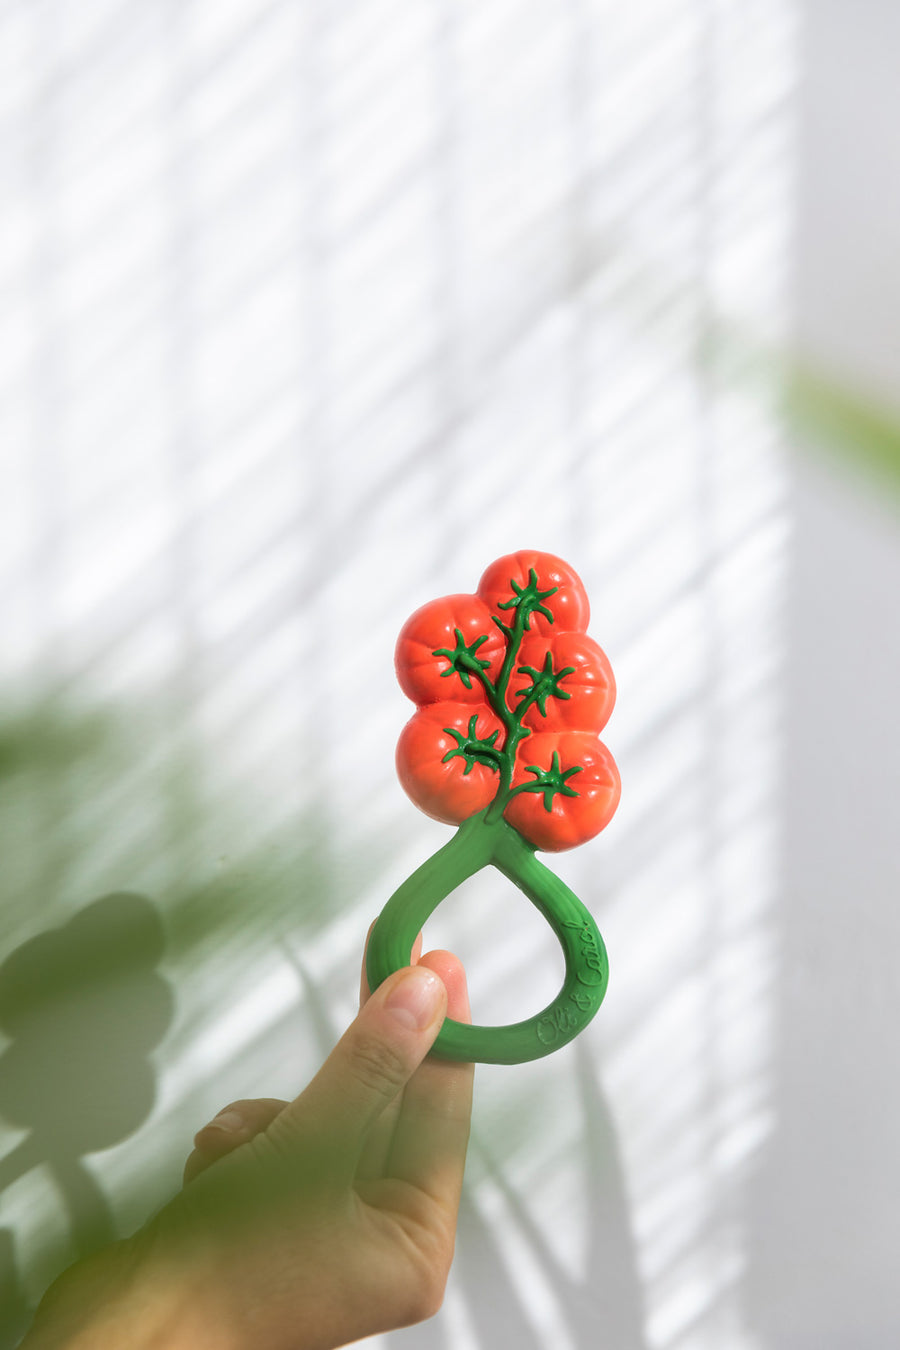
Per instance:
(83,1005)
(600,1305)
(14,1310)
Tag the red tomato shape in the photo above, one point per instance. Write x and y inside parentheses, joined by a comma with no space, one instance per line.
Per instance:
(441,788)
(591,686)
(569,606)
(424,677)
(570,820)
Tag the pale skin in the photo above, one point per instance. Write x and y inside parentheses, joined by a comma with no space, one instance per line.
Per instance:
(301,1225)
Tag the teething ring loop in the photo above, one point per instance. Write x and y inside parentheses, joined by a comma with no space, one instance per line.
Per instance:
(478,844)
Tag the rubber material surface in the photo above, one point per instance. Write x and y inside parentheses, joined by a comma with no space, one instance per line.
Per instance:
(478,844)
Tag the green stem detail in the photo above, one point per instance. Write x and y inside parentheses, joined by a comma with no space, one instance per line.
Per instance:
(526,600)
(478,843)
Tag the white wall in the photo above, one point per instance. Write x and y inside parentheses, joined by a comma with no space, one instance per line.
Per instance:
(299,296)
(826,1236)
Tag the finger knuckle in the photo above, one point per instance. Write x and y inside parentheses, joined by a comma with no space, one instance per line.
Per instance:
(425,1294)
(428,1247)
(431,1297)
(377,1064)
(239,1105)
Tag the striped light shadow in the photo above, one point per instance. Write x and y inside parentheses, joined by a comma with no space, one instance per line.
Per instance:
(388,291)
(721,1105)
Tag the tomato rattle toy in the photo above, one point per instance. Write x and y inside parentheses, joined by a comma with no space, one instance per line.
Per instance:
(511,694)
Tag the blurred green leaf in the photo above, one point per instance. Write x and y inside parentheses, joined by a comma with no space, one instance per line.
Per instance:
(864,430)
(45,736)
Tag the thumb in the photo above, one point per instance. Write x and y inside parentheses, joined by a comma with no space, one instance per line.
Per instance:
(369,1066)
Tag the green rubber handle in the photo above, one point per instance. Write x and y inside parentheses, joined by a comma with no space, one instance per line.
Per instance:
(478,844)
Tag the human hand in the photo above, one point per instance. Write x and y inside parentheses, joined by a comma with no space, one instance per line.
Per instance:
(310,1223)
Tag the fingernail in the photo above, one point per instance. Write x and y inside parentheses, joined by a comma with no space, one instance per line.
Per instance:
(415,999)
(230,1122)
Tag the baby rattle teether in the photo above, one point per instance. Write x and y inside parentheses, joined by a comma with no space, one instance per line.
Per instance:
(511,694)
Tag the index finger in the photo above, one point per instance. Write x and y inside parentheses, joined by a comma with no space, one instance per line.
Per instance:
(377,1149)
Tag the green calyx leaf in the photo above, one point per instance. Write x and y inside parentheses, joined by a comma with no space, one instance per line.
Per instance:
(528,600)
(544,685)
(550,781)
(462,658)
(473,748)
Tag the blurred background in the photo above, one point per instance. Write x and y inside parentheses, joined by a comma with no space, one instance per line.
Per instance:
(308,312)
